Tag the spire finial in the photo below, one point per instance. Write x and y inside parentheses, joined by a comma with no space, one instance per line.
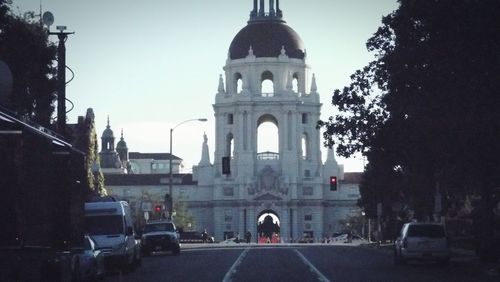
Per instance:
(122,135)
(314,87)
(221,85)
(259,14)
(205,156)
(107,126)
(272,12)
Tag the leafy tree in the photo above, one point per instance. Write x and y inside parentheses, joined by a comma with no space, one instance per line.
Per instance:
(85,139)
(424,112)
(25,47)
(182,218)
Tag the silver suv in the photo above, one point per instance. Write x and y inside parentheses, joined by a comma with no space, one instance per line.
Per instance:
(422,241)
(160,236)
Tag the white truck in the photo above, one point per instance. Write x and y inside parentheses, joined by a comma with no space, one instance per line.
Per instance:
(110,225)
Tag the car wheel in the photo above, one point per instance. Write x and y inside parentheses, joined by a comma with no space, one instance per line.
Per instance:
(176,250)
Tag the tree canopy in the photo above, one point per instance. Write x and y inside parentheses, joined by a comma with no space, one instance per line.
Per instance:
(25,47)
(424,111)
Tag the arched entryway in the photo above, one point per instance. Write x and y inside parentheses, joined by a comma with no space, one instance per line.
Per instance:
(268,227)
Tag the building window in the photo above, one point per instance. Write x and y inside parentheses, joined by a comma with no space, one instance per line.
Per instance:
(307,173)
(307,215)
(228,216)
(229,118)
(307,191)
(304,118)
(228,191)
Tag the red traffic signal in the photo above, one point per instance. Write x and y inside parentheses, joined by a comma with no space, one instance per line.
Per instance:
(157,208)
(333,183)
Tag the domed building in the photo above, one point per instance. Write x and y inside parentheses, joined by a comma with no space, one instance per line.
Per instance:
(267,81)
(284,192)
(109,158)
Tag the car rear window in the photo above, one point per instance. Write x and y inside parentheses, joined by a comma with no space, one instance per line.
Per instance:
(431,231)
(159,227)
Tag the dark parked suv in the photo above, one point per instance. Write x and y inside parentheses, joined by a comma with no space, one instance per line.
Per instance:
(160,236)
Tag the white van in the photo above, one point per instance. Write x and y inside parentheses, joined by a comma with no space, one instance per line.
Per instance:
(110,225)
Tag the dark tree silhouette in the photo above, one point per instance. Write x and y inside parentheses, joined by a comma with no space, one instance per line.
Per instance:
(425,111)
(25,47)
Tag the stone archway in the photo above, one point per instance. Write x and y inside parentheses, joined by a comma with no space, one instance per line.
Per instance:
(268,227)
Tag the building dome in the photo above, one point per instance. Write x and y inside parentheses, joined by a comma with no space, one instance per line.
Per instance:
(267,34)
(108,133)
(121,145)
(267,38)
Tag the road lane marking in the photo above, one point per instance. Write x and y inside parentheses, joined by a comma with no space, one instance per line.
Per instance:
(311,267)
(232,270)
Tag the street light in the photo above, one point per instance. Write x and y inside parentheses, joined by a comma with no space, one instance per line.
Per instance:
(169,205)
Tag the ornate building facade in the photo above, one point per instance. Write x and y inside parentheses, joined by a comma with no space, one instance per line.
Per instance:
(266,81)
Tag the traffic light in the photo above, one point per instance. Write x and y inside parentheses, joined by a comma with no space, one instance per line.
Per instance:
(333,183)
(158,209)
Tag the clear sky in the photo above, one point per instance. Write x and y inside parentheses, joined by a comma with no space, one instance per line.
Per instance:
(152,64)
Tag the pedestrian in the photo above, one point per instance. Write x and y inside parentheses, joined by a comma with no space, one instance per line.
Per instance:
(204,236)
(248,236)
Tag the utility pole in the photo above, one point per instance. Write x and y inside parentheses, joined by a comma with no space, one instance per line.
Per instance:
(48,19)
(61,79)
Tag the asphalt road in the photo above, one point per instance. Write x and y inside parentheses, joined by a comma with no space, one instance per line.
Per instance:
(303,262)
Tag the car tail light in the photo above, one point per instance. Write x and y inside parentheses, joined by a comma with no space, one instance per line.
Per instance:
(405,243)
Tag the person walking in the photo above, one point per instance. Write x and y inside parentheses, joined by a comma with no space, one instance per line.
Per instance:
(248,236)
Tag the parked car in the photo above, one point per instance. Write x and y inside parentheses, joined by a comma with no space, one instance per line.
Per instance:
(91,261)
(422,241)
(160,235)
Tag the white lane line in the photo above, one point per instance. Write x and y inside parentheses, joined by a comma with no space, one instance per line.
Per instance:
(321,277)
(232,270)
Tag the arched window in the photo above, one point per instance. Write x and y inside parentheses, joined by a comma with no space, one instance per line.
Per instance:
(267,84)
(295,82)
(305,146)
(230,146)
(238,82)
(268,136)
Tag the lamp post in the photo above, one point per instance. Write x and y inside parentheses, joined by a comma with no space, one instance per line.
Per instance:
(168,198)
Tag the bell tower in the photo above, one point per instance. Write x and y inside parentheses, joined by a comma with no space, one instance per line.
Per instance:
(267,80)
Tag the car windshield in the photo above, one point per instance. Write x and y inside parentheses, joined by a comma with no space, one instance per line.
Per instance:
(104,225)
(431,231)
(159,227)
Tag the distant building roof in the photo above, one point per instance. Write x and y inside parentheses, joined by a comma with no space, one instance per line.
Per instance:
(154,156)
(147,179)
(353,177)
